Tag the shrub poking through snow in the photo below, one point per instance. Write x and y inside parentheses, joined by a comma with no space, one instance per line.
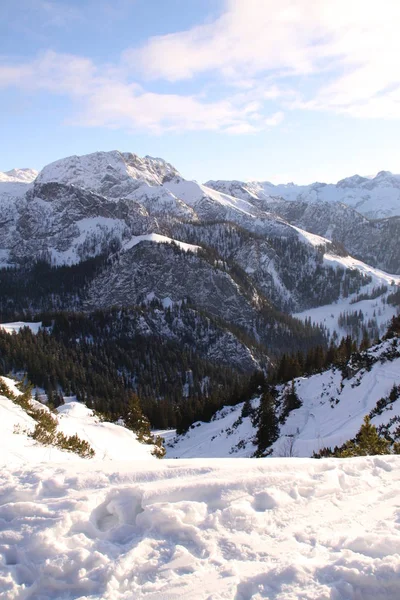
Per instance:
(367,442)
(135,420)
(45,431)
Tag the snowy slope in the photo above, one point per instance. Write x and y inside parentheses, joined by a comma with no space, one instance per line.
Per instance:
(109,441)
(13,187)
(83,206)
(192,192)
(377,308)
(79,206)
(280,529)
(334,407)
(158,239)
(227,434)
(378,276)
(332,412)
(15,183)
(157,186)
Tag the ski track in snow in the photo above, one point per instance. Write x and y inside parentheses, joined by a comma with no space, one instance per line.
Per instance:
(281,529)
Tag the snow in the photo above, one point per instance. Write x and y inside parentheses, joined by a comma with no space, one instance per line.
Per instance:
(124,525)
(378,309)
(311,238)
(18,175)
(328,314)
(13,189)
(158,239)
(90,229)
(17,325)
(16,448)
(192,192)
(332,412)
(110,441)
(216,439)
(202,530)
(379,277)
(93,171)
(377,197)
(334,408)
(13,185)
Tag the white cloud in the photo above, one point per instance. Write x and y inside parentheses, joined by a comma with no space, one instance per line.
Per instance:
(103,97)
(117,105)
(275,119)
(296,54)
(249,37)
(58,73)
(351,47)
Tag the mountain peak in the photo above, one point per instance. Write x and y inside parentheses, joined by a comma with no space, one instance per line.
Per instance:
(113,174)
(353,181)
(25,175)
(383,174)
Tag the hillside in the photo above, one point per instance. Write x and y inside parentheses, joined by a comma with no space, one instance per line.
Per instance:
(333,406)
(109,441)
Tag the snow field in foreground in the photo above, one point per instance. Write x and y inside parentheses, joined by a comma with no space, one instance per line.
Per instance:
(228,529)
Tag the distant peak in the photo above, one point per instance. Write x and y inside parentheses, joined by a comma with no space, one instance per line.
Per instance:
(383,174)
(25,175)
(352,181)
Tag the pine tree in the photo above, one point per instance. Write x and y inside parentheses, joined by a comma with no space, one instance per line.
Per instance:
(246,410)
(365,342)
(268,429)
(291,401)
(134,418)
(367,443)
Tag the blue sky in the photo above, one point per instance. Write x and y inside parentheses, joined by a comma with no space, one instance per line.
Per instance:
(284,91)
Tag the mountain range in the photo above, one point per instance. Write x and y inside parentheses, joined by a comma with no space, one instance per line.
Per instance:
(374,197)
(112,230)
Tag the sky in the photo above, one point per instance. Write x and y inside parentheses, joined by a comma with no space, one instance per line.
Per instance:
(288,90)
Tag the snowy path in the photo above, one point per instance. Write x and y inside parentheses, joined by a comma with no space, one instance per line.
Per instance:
(226,529)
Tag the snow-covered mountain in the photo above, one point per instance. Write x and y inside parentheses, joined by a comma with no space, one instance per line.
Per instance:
(79,206)
(18,175)
(375,198)
(362,214)
(116,204)
(333,406)
(112,174)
